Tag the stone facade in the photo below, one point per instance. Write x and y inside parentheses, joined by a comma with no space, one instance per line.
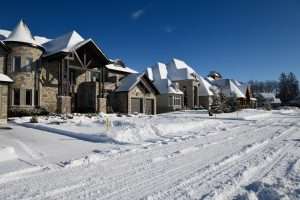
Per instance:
(64,104)
(3,102)
(166,102)
(48,85)
(25,78)
(3,58)
(122,101)
(101,105)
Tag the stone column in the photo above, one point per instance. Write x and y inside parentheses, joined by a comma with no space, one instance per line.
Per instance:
(64,104)
(101,105)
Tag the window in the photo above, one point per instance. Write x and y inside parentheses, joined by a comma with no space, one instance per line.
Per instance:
(16,64)
(36,98)
(170,100)
(95,76)
(16,97)
(28,64)
(177,100)
(28,97)
(72,77)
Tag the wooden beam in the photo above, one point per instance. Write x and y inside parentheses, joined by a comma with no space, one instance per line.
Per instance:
(77,56)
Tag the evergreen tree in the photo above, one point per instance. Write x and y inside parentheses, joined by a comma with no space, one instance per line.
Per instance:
(288,87)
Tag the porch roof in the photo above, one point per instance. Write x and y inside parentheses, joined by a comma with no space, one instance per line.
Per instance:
(5,78)
(120,68)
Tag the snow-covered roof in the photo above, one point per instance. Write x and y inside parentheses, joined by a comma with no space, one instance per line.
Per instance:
(120,68)
(165,86)
(158,74)
(267,95)
(205,87)
(179,70)
(159,71)
(5,78)
(4,34)
(228,88)
(21,33)
(63,43)
(128,82)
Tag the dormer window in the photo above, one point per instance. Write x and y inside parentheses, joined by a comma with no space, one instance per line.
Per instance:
(16,64)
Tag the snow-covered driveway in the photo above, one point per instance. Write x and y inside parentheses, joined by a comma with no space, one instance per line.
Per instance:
(226,159)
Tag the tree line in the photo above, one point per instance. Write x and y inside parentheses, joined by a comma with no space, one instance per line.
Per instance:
(286,88)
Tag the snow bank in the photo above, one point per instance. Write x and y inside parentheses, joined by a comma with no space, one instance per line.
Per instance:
(7,153)
(134,129)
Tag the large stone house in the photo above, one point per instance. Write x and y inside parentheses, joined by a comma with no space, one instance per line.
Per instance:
(170,97)
(177,79)
(65,74)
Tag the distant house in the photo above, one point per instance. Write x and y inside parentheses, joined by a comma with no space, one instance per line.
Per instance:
(267,98)
(66,74)
(135,94)
(249,101)
(233,88)
(170,97)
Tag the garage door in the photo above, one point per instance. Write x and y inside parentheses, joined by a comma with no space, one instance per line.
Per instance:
(136,105)
(149,106)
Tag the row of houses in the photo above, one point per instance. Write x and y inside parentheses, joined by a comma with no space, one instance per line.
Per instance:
(72,74)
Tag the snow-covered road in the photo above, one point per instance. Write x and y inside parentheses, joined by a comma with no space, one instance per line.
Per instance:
(230,159)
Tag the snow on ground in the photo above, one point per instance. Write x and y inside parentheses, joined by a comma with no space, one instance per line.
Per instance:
(252,154)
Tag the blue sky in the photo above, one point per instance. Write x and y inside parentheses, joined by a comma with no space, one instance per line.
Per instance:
(243,39)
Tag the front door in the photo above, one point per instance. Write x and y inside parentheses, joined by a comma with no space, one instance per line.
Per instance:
(86,97)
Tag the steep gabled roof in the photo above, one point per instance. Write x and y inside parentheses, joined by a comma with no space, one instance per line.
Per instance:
(158,74)
(130,81)
(205,87)
(179,70)
(21,33)
(228,88)
(63,43)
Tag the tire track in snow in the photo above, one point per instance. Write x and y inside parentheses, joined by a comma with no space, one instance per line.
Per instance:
(195,179)
(136,174)
(124,189)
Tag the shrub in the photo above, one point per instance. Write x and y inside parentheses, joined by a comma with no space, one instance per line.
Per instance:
(34,119)
(21,112)
(267,106)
